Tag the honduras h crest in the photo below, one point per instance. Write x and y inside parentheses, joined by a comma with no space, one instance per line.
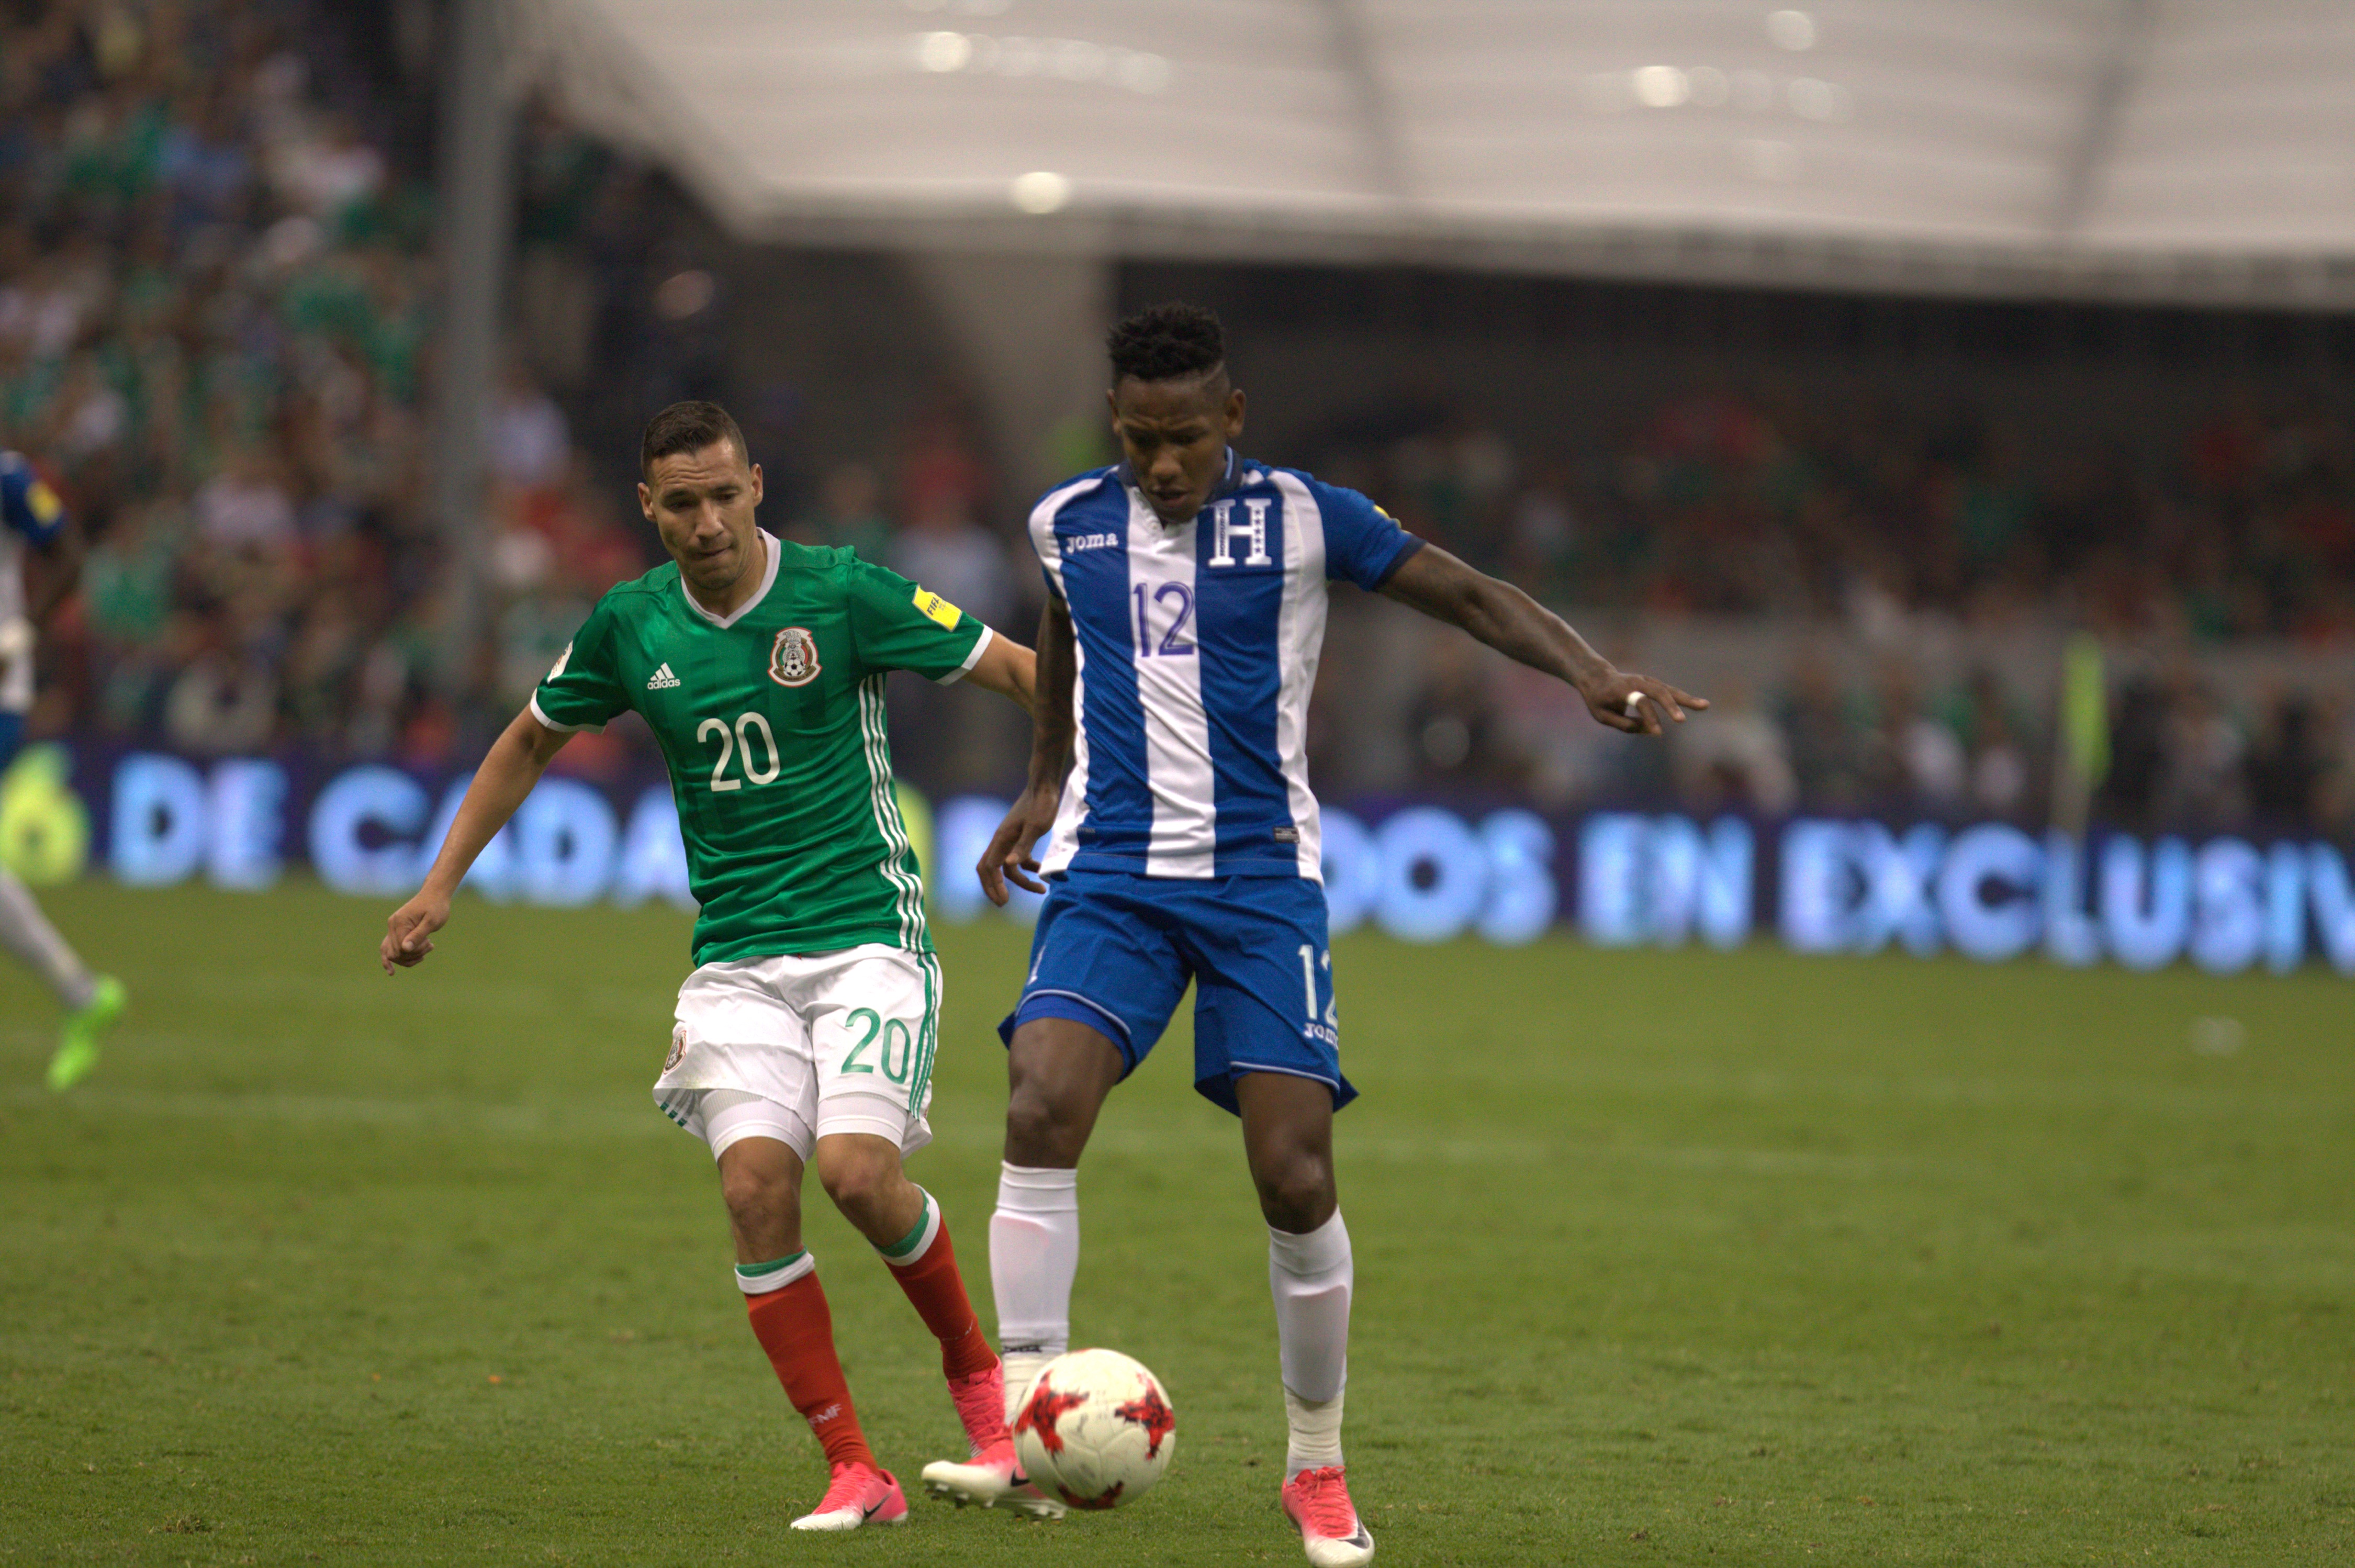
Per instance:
(793,657)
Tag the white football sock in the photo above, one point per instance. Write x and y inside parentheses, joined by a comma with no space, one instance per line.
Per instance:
(912,1248)
(1034,1251)
(1311,1276)
(26,931)
(1315,1439)
(758,1279)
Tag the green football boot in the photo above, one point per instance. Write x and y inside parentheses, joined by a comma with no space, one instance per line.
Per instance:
(77,1049)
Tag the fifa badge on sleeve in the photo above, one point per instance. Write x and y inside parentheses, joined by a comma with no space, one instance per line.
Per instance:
(938,609)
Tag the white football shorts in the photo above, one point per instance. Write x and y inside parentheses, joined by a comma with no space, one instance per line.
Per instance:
(797,1048)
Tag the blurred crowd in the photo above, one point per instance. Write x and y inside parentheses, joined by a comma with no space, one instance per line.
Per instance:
(215,296)
(1833,727)
(1811,503)
(216,287)
(1872,538)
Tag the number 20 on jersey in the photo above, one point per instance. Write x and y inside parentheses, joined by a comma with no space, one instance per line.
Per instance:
(736,745)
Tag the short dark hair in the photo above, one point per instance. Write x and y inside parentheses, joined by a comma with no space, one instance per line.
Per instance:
(1167,342)
(687,427)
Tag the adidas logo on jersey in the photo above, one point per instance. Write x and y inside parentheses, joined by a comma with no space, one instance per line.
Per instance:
(661,679)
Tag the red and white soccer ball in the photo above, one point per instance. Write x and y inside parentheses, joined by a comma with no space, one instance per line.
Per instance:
(1096,1429)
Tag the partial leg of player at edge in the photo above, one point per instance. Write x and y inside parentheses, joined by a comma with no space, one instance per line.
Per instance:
(92,1002)
(806,1033)
(34,519)
(1178,841)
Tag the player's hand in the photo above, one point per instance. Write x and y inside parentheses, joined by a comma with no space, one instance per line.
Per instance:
(407,933)
(1012,853)
(1637,704)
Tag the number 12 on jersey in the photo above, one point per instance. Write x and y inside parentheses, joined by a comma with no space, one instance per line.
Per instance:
(1175,601)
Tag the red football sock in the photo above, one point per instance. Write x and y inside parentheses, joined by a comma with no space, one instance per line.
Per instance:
(937,1291)
(795,1327)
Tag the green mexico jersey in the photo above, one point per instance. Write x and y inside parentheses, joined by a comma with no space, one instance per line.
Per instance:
(772,720)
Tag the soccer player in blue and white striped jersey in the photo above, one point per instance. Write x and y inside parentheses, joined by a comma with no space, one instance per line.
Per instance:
(1170,780)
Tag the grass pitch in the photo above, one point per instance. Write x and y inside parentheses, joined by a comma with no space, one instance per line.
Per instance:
(1661,1259)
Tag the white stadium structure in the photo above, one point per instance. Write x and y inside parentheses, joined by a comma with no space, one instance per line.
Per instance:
(2189,150)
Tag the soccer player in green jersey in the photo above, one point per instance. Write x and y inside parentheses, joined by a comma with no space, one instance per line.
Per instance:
(806,1033)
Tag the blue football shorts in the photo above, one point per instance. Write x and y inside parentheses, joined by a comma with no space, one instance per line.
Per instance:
(1114,950)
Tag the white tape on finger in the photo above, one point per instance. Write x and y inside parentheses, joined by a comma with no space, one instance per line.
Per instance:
(1635,705)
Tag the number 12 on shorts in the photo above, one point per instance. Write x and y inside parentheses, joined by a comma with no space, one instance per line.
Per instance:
(897,1037)
(1311,961)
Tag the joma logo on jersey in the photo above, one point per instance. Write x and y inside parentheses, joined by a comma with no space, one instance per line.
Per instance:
(793,657)
(1078,542)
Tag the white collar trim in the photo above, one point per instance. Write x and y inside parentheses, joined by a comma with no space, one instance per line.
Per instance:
(768,580)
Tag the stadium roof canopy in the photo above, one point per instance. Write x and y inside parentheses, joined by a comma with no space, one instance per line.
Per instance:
(2155,148)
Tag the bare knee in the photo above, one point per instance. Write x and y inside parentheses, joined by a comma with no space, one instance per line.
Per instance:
(1058,1074)
(863,1177)
(1296,1193)
(1042,1129)
(747,1193)
(1288,1139)
(764,1199)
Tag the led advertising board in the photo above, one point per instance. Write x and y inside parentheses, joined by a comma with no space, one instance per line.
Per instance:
(1422,871)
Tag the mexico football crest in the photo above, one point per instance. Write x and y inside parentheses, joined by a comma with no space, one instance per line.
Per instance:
(792,658)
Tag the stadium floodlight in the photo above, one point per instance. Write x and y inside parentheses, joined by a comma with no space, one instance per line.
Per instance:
(1661,86)
(1040,192)
(942,52)
(1792,30)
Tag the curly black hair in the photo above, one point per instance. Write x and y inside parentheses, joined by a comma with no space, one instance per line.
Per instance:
(1166,342)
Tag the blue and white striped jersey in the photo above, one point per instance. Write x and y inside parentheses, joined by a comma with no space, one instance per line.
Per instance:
(1197,651)
(30,513)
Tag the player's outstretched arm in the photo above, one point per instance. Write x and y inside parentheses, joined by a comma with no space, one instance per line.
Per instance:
(1009,669)
(1517,626)
(516,760)
(1011,855)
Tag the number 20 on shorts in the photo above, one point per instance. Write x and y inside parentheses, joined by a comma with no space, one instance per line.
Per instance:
(899,1045)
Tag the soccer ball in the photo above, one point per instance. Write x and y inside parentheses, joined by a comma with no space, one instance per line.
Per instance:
(1095,1429)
